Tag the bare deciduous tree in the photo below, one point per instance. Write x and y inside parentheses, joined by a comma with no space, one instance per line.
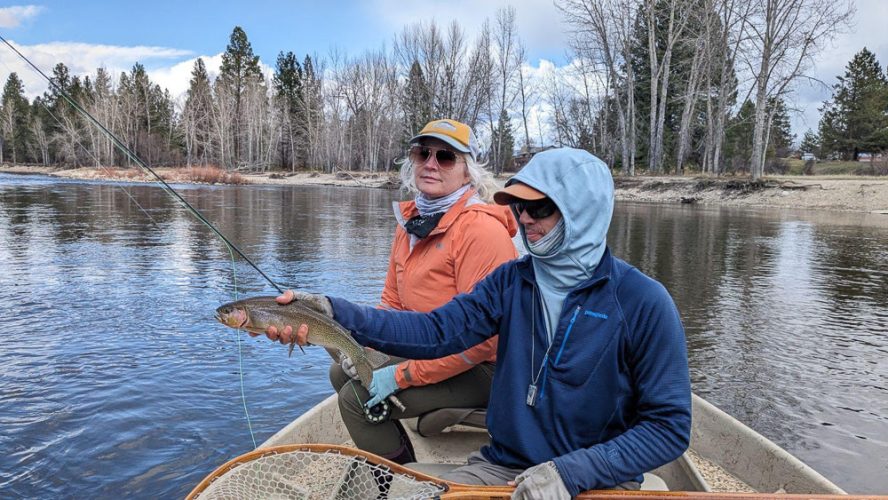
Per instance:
(784,37)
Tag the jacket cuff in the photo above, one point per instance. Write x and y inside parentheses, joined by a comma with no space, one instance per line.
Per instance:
(402,375)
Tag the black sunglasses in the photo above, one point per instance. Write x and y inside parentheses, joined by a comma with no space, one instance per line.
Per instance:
(445,157)
(537,209)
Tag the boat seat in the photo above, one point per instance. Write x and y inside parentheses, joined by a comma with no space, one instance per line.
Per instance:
(653,482)
(434,422)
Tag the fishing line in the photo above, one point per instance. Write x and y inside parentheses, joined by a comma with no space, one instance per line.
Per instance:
(96,159)
(133,157)
(232,248)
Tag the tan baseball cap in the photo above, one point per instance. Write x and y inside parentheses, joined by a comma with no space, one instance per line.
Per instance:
(457,134)
(517,191)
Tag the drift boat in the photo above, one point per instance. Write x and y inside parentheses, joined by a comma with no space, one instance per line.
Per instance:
(725,455)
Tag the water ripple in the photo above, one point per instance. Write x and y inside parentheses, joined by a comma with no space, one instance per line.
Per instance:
(116,381)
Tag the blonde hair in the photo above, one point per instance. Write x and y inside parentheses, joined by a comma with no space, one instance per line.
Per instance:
(479,177)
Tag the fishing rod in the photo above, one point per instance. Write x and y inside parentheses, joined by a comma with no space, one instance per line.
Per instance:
(132,156)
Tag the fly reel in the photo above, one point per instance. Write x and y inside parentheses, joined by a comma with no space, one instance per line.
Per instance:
(378,413)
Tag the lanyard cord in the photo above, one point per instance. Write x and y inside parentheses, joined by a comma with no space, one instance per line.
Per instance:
(545,360)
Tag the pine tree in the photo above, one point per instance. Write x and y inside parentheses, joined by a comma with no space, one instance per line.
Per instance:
(287,82)
(738,138)
(810,143)
(197,116)
(854,118)
(239,72)
(417,101)
(312,111)
(14,120)
(503,157)
(780,136)
(103,104)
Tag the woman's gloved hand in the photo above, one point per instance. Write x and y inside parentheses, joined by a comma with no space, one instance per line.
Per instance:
(383,385)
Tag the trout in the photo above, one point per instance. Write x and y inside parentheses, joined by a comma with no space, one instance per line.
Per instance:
(256,314)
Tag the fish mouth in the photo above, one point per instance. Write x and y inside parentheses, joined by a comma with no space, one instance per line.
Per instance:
(224,318)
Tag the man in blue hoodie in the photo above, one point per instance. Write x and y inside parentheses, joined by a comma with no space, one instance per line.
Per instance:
(592,386)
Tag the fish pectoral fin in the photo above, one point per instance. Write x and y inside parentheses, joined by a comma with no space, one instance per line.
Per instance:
(293,345)
(376,358)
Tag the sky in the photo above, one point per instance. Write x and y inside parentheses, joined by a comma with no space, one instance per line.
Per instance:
(166,36)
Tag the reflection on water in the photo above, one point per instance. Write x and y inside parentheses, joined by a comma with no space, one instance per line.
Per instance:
(114,378)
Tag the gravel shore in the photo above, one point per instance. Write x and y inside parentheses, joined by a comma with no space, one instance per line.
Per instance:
(849,194)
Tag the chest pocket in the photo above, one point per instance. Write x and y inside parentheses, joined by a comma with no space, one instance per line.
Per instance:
(590,349)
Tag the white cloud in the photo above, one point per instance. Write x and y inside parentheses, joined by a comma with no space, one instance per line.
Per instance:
(81,59)
(177,77)
(12,17)
(538,22)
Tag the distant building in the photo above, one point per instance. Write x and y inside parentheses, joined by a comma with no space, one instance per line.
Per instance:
(808,156)
(869,157)
(525,154)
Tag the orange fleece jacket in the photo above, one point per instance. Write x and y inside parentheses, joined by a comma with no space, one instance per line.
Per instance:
(471,240)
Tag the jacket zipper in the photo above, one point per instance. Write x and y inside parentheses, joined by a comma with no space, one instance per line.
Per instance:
(573,319)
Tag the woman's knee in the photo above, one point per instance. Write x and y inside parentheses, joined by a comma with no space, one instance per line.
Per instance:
(338,377)
(350,401)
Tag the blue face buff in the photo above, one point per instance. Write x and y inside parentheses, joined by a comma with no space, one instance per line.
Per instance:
(548,244)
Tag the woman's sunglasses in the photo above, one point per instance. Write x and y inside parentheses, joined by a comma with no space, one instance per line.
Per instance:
(536,209)
(445,157)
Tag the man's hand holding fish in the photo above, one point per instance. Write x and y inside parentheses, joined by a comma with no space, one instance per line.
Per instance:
(285,336)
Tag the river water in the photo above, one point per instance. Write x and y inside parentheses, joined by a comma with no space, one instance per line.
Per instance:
(116,381)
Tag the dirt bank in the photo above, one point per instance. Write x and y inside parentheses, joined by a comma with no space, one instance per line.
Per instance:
(856,194)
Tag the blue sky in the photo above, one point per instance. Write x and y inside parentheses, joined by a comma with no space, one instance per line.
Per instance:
(167,36)
(203,27)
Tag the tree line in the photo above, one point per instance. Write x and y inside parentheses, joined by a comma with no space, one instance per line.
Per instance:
(855,119)
(655,85)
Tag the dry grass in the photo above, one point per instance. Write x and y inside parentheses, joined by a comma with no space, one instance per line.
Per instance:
(208,174)
(846,168)
(121,173)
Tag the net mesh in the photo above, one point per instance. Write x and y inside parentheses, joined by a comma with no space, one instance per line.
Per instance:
(304,474)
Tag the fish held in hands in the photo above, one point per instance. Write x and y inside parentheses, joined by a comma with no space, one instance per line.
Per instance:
(256,314)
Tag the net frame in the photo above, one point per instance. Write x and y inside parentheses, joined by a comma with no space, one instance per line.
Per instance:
(344,468)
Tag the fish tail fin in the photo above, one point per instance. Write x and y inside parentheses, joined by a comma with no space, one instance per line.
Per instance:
(376,358)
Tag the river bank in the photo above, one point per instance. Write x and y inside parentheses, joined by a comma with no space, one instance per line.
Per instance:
(850,194)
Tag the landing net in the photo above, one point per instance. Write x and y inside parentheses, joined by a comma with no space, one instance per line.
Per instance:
(312,472)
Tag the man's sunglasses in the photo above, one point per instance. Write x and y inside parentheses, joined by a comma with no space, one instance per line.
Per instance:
(536,209)
(445,157)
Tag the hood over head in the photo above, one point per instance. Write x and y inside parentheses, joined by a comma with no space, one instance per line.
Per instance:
(582,187)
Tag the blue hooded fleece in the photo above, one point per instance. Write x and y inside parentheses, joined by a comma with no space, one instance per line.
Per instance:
(586,213)
(614,398)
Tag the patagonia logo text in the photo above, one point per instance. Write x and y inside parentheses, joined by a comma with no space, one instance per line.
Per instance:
(596,314)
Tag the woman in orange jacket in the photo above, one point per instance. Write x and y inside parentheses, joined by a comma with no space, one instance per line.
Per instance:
(447,239)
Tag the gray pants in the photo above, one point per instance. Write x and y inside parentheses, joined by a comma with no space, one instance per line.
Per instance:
(470,389)
(479,471)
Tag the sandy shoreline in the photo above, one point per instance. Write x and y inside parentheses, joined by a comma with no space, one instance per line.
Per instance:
(849,194)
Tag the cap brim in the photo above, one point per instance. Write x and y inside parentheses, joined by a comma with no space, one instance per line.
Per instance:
(517,192)
(449,140)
